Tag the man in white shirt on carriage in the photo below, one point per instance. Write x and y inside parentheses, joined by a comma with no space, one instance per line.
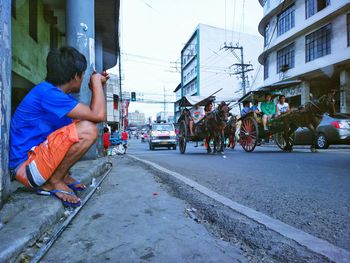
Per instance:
(282,106)
(197,114)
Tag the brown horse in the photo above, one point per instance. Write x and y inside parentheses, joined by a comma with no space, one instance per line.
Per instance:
(230,131)
(309,116)
(215,123)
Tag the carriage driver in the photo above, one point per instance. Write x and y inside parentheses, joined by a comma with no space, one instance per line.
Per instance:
(197,114)
(268,109)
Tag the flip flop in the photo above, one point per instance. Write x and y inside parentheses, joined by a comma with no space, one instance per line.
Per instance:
(53,193)
(72,186)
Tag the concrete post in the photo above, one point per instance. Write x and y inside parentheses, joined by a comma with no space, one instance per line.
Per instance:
(345,91)
(5,97)
(305,92)
(99,68)
(80,33)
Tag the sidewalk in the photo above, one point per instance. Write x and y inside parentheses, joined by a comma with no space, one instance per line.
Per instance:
(26,216)
(132,218)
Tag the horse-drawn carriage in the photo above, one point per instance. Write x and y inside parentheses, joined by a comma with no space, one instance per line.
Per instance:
(211,127)
(281,128)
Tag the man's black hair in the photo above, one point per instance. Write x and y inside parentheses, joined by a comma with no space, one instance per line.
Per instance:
(105,129)
(63,64)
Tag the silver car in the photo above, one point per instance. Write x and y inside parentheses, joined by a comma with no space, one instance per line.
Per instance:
(332,130)
(162,135)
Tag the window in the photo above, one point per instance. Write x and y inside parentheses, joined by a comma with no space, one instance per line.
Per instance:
(286,20)
(318,43)
(13,8)
(314,6)
(285,58)
(33,19)
(266,68)
(266,34)
(348,27)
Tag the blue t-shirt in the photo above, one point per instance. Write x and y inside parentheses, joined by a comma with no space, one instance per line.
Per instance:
(40,113)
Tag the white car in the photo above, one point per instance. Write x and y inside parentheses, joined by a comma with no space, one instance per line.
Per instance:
(162,135)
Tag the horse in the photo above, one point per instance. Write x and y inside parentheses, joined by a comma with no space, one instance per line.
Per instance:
(215,123)
(309,116)
(230,131)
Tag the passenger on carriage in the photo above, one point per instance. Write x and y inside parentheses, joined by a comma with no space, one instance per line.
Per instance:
(208,108)
(246,108)
(197,114)
(268,109)
(255,107)
(282,106)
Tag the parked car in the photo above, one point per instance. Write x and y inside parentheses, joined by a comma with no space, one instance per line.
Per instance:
(332,130)
(162,135)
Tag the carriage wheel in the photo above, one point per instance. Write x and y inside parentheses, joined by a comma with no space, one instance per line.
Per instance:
(249,134)
(183,137)
(281,143)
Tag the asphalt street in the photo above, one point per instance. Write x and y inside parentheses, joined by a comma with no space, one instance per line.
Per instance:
(310,191)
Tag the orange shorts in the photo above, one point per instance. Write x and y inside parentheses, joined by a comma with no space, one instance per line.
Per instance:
(45,158)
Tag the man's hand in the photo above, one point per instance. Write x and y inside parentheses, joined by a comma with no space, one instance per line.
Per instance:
(105,77)
(98,78)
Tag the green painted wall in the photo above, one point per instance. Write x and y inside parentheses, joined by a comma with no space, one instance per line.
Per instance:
(29,56)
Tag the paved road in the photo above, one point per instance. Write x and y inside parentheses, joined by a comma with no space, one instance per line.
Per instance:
(308,191)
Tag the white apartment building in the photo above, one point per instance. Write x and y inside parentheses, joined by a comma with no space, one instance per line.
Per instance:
(136,118)
(307,42)
(207,66)
(113,101)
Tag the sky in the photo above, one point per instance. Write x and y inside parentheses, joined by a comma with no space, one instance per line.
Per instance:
(153,33)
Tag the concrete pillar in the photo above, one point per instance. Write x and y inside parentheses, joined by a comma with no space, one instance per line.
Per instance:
(5,97)
(305,92)
(99,68)
(80,33)
(345,91)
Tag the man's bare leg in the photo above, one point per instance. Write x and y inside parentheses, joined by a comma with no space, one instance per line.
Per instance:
(87,133)
(191,128)
(264,121)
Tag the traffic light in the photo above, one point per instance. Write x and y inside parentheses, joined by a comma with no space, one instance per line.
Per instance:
(133,96)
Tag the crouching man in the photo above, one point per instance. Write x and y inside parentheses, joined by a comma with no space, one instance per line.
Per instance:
(51,130)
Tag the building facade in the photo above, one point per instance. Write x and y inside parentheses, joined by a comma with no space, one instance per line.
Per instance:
(209,62)
(307,41)
(177,109)
(137,118)
(113,102)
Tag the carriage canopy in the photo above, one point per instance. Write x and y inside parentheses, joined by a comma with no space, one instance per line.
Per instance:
(189,101)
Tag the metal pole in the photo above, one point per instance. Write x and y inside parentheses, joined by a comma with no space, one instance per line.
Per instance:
(243,72)
(120,93)
(80,34)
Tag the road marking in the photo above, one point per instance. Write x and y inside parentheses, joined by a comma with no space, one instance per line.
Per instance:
(314,244)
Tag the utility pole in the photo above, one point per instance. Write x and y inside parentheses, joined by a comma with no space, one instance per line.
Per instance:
(240,68)
(164,102)
(121,119)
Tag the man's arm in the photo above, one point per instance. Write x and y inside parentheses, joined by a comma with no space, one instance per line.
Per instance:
(96,112)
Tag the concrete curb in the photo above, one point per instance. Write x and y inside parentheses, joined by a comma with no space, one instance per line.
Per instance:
(24,219)
(281,241)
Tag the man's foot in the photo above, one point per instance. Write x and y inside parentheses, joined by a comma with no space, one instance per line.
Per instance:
(73,183)
(70,198)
